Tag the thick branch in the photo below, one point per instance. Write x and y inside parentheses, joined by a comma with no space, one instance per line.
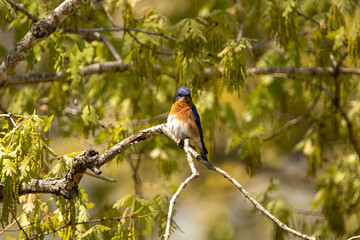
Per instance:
(96,68)
(68,186)
(118,66)
(303,71)
(110,154)
(38,32)
(89,159)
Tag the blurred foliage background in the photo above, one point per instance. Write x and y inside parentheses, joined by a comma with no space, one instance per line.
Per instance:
(290,138)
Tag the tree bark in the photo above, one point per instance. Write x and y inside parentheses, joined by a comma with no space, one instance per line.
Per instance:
(38,32)
(118,66)
(89,159)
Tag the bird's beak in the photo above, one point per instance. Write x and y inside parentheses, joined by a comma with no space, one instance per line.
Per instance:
(182,97)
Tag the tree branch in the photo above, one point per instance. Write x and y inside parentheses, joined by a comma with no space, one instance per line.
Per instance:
(89,159)
(96,68)
(38,32)
(308,18)
(354,237)
(68,186)
(303,71)
(115,29)
(109,46)
(284,127)
(8,227)
(20,227)
(102,38)
(107,179)
(118,66)
(20,7)
(9,115)
(258,206)
(193,175)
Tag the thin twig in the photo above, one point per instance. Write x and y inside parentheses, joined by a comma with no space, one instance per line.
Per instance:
(109,46)
(9,115)
(308,18)
(257,205)
(135,175)
(354,237)
(341,109)
(284,127)
(101,177)
(135,168)
(108,15)
(194,175)
(20,7)
(103,38)
(293,120)
(350,126)
(87,20)
(315,84)
(8,227)
(21,228)
(116,29)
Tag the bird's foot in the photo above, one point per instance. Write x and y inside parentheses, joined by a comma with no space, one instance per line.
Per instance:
(181,143)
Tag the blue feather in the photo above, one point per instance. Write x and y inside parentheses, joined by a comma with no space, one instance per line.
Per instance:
(198,124)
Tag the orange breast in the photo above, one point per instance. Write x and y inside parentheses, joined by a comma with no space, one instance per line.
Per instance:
(182,112)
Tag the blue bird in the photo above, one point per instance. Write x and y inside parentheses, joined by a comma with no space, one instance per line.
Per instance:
(184,121)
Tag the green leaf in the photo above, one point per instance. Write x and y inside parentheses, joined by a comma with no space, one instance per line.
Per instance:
(124,202)
(234,71)
(78,39)
(24,101)
(94,230)
(43,122)
(8,168)
(4,124)
(89,118)
(190,34)
(7,13)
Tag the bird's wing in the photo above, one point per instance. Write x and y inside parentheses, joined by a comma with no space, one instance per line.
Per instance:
(198,124)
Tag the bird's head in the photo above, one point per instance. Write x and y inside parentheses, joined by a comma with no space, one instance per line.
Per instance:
(183,93)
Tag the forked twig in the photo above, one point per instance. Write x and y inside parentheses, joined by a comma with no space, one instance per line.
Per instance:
(253,201)
(194,175)
(18,223)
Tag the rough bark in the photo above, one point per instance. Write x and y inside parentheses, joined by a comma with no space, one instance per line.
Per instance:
(89,159)
(38,32)
(118,66)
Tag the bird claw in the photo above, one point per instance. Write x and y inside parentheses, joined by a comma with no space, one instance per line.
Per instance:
(181,143)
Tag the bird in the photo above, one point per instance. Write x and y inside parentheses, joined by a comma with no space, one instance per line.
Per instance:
(184,121)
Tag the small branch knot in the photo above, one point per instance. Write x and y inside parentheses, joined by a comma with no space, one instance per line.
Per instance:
(91,160)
